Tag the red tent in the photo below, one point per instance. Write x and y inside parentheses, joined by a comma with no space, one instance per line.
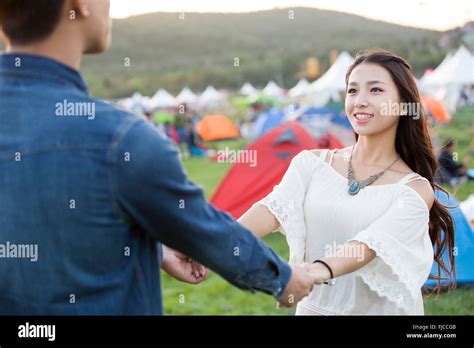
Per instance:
(245,184)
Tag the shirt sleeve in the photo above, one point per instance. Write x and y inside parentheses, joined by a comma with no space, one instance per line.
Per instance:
(404,253)
(153,192)
(286,200)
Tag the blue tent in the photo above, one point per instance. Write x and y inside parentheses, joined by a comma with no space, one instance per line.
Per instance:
(342,120)
(463,243)
(336,116)
(312,112)
(266,121)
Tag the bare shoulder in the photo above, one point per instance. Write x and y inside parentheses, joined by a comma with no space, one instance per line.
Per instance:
(424,189)
(339,152)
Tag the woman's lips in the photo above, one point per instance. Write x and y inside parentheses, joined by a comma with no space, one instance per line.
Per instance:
(362,117)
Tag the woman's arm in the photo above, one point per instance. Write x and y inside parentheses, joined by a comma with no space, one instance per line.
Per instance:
(349,258)
(259,220)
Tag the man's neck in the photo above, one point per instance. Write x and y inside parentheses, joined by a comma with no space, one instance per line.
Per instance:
(66,52)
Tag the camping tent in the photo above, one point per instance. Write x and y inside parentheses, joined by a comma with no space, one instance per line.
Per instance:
(300,89)
(467,208)
(266,121)
(245,184)
(332,83)
(217,127)
(162,99)
(457,70)
(463,247)
(136,103)
(428,72)
(186,96)
(450,78)
(273,90)
(435,108)
(211,97)
(248,89)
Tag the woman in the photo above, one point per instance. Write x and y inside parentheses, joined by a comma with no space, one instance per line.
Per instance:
(367,213)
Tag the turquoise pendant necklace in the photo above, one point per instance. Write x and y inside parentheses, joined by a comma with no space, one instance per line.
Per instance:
(354,185)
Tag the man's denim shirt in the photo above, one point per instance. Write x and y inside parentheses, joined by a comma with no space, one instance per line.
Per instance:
(93,188)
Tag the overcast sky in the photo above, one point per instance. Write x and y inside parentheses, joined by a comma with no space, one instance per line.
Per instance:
(432,14)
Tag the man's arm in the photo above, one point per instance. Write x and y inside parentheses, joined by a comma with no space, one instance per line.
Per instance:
(153,191)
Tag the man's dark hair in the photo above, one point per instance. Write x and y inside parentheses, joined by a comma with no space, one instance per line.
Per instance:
(27,21)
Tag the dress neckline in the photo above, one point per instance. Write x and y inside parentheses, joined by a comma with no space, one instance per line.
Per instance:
(398,183)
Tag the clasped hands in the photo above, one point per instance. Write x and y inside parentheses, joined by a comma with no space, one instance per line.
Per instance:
(303,276)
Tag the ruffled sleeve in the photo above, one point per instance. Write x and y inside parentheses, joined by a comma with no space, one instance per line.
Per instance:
(285,202)
(404,254)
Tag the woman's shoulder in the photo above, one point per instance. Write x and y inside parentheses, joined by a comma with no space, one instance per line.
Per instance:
(337,152)
(422,187)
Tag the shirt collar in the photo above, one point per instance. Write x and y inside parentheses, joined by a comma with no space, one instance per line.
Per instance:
(40,66)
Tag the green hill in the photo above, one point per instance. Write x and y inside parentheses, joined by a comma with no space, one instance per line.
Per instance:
(166,51)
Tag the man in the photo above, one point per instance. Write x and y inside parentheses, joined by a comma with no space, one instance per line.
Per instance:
(87,189)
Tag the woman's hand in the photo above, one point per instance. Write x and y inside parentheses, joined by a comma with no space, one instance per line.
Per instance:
(320,271)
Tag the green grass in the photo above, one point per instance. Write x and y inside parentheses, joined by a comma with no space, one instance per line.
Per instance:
(216,297)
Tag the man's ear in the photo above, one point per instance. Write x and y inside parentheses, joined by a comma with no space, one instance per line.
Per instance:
(81,7)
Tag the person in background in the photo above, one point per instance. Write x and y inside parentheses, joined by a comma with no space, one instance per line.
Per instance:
(450,171)
(182,130)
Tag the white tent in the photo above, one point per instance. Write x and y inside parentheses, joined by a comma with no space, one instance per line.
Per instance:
(300,89)
(440,66)
(186,96)
(210,97)
(136,103)
(162,99)
(248,89)
(448,80)
(458,70)
(467,208)
(273,90)
(332,82)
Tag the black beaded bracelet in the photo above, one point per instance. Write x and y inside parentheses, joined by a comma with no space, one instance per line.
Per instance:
(330,271)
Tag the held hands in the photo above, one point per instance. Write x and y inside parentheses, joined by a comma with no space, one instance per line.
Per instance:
(181,267)
(302,281)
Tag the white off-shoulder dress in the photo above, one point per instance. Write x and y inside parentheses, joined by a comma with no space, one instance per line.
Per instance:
(316,212)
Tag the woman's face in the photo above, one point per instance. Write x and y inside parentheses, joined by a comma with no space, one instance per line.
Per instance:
(372,100)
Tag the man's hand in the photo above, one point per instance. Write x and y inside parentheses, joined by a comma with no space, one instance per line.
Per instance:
(300,285)
(181,267)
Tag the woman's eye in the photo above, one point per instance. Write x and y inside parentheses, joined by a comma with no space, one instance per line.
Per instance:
(376,89)
(350,91)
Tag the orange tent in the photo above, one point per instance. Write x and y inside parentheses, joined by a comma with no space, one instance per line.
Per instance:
(436,108)
(216,127)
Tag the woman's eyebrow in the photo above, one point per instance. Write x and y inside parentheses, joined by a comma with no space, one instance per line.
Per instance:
(375,82)
(368,83)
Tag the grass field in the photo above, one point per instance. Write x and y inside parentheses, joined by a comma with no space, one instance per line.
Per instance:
(217,297)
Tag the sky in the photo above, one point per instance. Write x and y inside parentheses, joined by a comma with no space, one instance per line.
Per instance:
(430,14)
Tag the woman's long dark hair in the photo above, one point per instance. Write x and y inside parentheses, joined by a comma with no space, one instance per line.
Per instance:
(413,144)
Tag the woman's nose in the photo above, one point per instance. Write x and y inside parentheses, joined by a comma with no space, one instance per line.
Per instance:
(361,101)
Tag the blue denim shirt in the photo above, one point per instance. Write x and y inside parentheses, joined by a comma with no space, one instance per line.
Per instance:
(94,188)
